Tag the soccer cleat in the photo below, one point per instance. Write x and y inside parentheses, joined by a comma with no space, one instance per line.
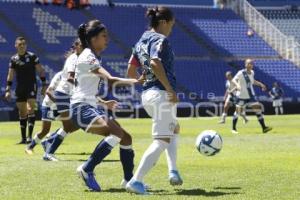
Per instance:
(50,157)
(175,178)
(136,187)
(222,121)
(234,131)
(89,179)
(22,142)
(124,183)
(267,129)
(29,151)
(245,121)
(45,145)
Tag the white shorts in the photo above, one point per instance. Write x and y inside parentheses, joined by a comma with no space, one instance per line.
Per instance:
(163,112)
(277,102)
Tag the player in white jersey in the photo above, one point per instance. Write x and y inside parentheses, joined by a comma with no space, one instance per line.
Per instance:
(244,81)
(49,112)
(230,98)
(89,113)
(62,99)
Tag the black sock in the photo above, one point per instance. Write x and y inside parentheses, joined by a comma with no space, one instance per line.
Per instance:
(126,157)
(23,126)
(234,121)
(261,120)
(100,152)
(31,121)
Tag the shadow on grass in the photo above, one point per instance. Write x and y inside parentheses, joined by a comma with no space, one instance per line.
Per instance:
(84,160)
(227,188)
(75,154)
(201,192)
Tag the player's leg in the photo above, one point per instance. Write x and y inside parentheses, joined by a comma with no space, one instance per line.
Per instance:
(244,116)
(225,112)
(31,105)
(163,116)
(171,154)
(46,125)
(22,109)
(238,110)
(257,108)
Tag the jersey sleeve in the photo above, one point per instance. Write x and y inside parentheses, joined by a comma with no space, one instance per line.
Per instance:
(238,76)
(55,80)
(71,63)
(93,62)
(35,59)
(12,64)
(134,61)
(157,48)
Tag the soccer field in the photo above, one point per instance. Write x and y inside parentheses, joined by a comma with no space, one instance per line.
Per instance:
(251,165)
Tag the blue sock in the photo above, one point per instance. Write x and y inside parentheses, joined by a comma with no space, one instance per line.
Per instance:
(56,142)
(32,144)
(100,152)
(52,136)
(126,157)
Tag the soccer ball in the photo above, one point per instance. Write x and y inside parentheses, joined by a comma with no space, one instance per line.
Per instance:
(209,143)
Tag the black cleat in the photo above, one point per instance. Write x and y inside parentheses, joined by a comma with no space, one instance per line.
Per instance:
(267,129)
(22,142)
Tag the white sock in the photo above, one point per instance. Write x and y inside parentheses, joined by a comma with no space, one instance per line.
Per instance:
(61,132)
(112,140)
(171,153)
(150,158)
(281,109)
(36,139)
(276,110)
(224,115)
(243,115)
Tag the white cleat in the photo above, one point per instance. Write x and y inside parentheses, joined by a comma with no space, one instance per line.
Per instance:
(175,178)
(124,183)
(234,131)
(50,157)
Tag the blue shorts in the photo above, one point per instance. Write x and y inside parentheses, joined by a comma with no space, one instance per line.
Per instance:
(246,102)
(83,115)
(62,101)
(48,114)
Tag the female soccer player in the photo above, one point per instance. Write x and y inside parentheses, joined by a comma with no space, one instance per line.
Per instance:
(244,81)
(88,113)
(62,99)
(159,98)
(49,113)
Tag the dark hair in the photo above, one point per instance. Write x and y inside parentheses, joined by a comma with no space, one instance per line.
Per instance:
(73,47)
(20,38)
(89,30)
(158,13)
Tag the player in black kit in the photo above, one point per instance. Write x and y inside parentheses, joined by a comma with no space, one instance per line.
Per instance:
(24,65)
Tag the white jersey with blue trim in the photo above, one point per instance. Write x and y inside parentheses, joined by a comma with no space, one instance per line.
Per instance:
(47,102)
(229,87)
(87,83)
(240,78)
(69,66)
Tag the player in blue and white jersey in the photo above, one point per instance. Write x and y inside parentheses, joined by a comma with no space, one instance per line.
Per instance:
(49,112)
(154,52)
(230,98)
(88,113)
(244,81)
(276,94)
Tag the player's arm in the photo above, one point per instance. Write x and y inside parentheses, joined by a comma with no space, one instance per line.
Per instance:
(10,77)
(112,79)
(260,84)
(132,67)
(50,92)
(41,71)
(109,104)
(160,74)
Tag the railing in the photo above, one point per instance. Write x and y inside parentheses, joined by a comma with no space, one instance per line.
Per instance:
(287,47)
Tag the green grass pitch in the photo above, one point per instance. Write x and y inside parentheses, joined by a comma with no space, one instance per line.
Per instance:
(251,165)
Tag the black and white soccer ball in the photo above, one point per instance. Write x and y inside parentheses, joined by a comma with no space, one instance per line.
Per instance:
(209,143)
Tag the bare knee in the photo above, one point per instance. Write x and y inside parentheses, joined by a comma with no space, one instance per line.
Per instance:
(126,140)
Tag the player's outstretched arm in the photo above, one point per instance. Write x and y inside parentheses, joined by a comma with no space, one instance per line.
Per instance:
(260,84)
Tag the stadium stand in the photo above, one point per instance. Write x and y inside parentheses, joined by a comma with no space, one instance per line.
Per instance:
(205,41)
